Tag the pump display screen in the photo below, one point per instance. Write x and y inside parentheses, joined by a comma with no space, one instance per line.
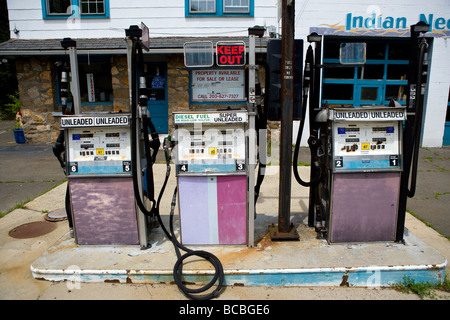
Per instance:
(99,150)
(369,145)
(208,148)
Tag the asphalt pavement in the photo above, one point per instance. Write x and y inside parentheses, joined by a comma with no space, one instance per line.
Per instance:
(27,171)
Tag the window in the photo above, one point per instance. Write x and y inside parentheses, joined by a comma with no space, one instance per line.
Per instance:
(226,8)
(236,6)
(205,6)
(98,69)
(383,77)
(58,6)
(64,9)
(92,6)
(94,71)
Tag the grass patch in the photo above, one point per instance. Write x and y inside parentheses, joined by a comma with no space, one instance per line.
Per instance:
(437,194)
(422,289)
(22,205)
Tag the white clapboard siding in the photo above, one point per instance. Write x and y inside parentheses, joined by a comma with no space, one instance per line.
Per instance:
(164,18)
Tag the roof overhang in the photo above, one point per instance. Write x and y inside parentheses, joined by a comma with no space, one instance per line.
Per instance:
(34,47)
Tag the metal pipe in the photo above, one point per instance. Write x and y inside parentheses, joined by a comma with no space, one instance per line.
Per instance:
(287,115)
(251,143)
(75,83)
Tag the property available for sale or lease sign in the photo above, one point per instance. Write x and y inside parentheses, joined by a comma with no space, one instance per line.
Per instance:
(216,85)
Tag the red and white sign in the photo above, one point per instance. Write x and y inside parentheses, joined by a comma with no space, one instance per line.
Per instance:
(230,53)
(90,87)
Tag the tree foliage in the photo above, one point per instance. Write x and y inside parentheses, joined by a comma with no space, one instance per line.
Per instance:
(8,78)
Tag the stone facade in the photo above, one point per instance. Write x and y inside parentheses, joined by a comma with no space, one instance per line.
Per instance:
(177,85)
(119,75)
(37,92)
(38,96)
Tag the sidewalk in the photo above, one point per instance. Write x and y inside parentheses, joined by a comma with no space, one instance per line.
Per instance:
(17,282)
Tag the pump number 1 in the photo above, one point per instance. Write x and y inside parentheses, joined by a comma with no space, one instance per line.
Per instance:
(393,160)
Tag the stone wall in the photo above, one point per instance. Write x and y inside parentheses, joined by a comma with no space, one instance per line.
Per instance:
(177,85)
(119,74)
(37,96)
(37,92)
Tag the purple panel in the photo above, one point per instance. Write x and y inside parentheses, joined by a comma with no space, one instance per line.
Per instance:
(104,211)
(364,207)
(232,209)
(193,200)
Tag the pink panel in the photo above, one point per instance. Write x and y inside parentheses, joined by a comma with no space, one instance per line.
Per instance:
(232,209)
(364,206)
(104,211)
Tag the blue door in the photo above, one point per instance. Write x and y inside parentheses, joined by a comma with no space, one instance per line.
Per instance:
(156,78)
(446,141)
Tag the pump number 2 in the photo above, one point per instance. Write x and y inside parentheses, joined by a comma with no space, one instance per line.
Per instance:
(339,162)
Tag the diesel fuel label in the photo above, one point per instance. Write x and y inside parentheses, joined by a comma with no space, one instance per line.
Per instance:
(222,117)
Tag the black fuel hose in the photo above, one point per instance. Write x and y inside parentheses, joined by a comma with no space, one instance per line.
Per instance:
(417,129)
(313,142)
(137,196)
(178,268)
(219,276)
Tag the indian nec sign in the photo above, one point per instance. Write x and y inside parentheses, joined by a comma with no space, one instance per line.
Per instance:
(230,53)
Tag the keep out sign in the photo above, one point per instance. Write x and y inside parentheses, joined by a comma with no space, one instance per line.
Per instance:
(230,53)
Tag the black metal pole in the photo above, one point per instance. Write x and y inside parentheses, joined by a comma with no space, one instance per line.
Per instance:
(314,105)
(287,115)
(409,142)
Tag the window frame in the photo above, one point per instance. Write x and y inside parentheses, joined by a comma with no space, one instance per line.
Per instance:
(220,10)
(75,13)
(357,83)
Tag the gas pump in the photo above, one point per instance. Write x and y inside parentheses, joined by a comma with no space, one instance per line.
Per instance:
(211,167)
(215,157)
(106,201)
(98,169)
(363,159)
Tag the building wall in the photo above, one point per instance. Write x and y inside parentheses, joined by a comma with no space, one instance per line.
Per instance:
(163,18)
(331,17)
(167,19)
(37,92)
(437,95)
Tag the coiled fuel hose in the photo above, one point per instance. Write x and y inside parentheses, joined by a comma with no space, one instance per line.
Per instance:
(194,294)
